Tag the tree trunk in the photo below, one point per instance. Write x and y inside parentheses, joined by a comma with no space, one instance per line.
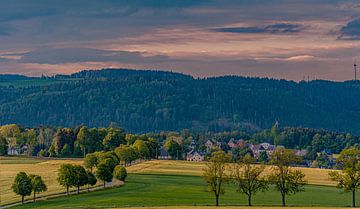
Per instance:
(217,200)
(34,196)
(283,199)
(88,187)
(353,198)
(78,189)
(104,184)
(249,200)
(22,200)
(67,190)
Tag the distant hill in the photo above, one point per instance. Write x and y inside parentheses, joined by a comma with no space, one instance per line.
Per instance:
(143,101)
(11,77)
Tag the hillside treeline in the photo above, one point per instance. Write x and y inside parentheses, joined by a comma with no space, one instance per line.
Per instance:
(76,142)
(153,101)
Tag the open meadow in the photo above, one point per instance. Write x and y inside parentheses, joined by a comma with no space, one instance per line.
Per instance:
(163,183)
(10,166)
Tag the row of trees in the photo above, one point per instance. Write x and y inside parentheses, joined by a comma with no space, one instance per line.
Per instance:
(250,178)
(25,184)
(77,142)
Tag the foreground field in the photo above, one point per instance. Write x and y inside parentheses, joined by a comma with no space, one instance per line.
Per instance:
(161,183)
(148,190)
(10,166)
(223,207)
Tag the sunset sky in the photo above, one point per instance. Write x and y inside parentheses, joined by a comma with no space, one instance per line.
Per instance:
(289,39)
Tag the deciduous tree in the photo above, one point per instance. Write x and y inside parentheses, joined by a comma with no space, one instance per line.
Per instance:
(349,178)
(37,184)
(247,177)
(104,172)
(215,174)
(66,176)
(287,181)
(91,161)
(91,179)
(120,173)
(22,185)
(80,177)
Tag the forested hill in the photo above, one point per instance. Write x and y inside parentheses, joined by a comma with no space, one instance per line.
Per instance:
(144,101)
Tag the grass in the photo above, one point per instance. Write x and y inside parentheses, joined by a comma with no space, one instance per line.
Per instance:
(147,190)
(222,207)
(10,166)
(162,183)
(313,175)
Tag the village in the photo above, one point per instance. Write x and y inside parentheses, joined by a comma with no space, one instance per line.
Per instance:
(261,152)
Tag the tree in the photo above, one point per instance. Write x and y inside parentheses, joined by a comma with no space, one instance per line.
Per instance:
(104,172)
(29,138)
(153,146)
(114,138)
(3,146)
(66,151)
(349,178)
(173,148)
(66,176)
(120,173)
(22,185)
(11,133)
(275,134)
(110,157)
(247,177)
(287,181)
(126,154)
(64,136)
(214,174)
(80,177)
(52,151)
(83,138)
(142,149)
(91,179)
(263,157)
(37,184)
(91,161)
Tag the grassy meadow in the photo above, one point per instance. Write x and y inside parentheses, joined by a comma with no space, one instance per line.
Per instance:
(314,176)
(163,183)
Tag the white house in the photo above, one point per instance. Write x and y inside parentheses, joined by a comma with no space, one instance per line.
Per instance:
(195,156)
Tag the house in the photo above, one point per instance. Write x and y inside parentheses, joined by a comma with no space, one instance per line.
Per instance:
(231,143)
(300,153)
(195,156)
(241,143)
(210,145)
(163,155)
(17,151)
(13,151)
(263,147)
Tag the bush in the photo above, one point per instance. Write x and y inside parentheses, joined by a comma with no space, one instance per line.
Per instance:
(66,151)
(42,153)
(120,173)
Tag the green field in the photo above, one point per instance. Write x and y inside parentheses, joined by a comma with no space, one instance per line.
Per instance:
(147,190)
(161,183)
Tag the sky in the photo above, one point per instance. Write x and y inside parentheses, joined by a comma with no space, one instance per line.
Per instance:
(293,39)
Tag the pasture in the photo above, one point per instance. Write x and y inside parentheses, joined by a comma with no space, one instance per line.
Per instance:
(154,190)
(10,166)
(163,183)
(314,176)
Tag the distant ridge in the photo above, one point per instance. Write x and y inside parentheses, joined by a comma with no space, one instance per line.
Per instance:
(145,101)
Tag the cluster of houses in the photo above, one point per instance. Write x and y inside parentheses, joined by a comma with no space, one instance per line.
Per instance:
(210,145)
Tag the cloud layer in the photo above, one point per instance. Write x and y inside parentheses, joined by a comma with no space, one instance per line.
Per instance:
(283,39)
